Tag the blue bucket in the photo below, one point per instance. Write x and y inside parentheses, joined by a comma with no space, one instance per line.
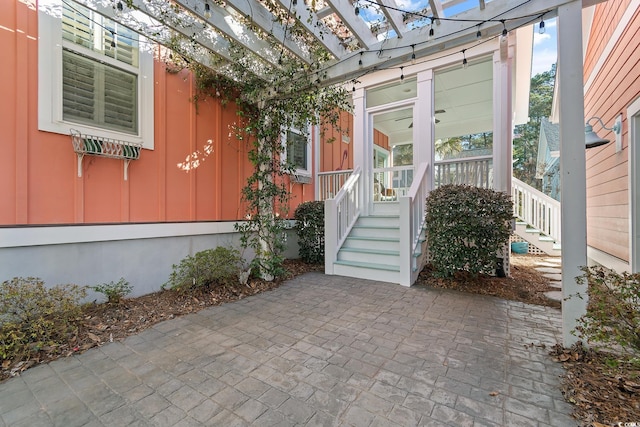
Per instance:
(520,247)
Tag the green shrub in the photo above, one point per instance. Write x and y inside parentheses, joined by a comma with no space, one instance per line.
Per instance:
(310,230)
(613,315)
(114,291)
(206,268)
(466,228)
(33,317)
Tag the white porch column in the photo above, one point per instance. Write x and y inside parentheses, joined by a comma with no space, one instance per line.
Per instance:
(572,165)
(423,128)
(502,117)
(362,148)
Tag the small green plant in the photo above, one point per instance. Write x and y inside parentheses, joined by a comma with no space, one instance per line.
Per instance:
(206,268)
(310,230)
(33,317)
(466,228)
(613,317)
(114,291)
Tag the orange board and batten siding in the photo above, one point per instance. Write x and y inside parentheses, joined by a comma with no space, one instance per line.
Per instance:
(194,173)
(614,86)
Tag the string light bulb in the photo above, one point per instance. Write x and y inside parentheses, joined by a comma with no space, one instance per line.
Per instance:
(465,64)
(113,39)
(401,73)
(207,10)
(119,6)
(360,60)
(431,30)
(541,28)
(504,29)
(413,54)
(354,86)
(479,33)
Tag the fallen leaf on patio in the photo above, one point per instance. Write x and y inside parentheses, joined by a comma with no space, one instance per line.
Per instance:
(494,393)
(93,337)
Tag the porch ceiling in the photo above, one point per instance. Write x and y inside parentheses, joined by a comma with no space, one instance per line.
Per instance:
(326,37)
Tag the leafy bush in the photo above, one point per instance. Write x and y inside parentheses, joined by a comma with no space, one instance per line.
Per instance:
(114,291)
(209,267)
(612,315)
(310,230)
(33,317)
(466,228)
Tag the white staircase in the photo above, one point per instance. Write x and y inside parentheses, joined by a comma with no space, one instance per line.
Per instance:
(387,243)
(538,217)
(372,249)
(545,243)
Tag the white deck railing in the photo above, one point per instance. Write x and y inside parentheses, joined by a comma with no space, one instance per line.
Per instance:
(412,212)
(536,208)
(341,213)
(476,171)
(329,183)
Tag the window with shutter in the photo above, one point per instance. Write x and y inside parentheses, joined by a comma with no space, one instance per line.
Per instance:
(298,151)
(93,76)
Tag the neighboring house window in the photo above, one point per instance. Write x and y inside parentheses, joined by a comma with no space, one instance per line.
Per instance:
(298,151)
(93,76)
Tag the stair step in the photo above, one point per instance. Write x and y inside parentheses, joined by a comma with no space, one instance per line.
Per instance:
(532,230)
(374,256)
(371,251)
(382,231)
(383,243)
(369,265)
(546,239)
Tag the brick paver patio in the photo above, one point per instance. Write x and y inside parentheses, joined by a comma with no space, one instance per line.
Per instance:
(319,350)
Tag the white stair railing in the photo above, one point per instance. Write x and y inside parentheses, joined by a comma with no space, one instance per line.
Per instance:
(329,183)
(340,215)
(412,217)
(536,208)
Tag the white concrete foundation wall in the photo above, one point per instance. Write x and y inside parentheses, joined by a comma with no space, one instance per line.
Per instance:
(89,255)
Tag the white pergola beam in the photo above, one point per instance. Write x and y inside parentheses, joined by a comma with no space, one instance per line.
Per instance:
(313,26)
(256,13)
(394,17)
(228,25)
(436,8)
(160,32)
(451,34)
(360,30)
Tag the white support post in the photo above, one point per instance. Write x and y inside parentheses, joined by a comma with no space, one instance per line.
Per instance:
(572,166)
(362,148)
(405,241)
(423,129)
(330,235)
(502,117)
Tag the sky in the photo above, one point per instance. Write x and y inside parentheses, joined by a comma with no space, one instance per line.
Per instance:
(544,47)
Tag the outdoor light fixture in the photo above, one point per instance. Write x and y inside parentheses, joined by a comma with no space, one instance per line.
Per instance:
(207,10)
(592,139)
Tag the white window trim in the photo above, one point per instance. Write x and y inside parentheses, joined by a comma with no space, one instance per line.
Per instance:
(306,172)
(50,87)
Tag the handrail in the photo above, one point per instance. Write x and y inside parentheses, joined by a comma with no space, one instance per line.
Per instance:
(341,214)
(329,183)
(413,208)
(536,208)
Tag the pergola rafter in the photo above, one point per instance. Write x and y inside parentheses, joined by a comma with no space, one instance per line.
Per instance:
(259,34)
